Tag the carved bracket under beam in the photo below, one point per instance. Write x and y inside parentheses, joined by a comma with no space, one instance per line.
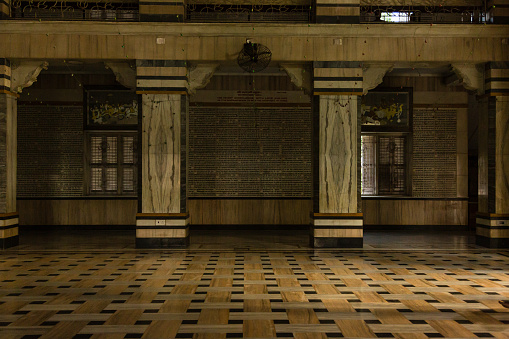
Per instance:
(25,73)
(373,75)
(299,75)
(200,75)
(125,73)
(472,76)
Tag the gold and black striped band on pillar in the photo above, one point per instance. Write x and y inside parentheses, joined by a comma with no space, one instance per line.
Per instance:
(498,12)
(492,230)
(9,225)
(497,78)
(343,230)
(161,77)
(5,9)
(5,75)
(337,11)
(337,78)
(162,11)
(162,230)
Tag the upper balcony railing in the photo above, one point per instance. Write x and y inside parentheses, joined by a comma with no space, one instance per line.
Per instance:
(423,14)
(277,11)
(294,13)
(116,10)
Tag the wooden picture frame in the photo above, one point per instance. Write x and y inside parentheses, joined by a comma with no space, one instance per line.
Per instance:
(387,110)
(109,107)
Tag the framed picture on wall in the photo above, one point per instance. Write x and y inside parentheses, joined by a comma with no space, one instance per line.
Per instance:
(387,109)
(110,107)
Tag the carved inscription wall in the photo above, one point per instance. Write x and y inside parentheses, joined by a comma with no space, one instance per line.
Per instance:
(50,151)
(249,152)
(434,153)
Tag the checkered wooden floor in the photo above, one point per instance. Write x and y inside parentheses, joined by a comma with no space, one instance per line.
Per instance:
(261,294)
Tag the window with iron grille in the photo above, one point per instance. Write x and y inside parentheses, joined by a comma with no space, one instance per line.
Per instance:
(112,163)
(384,163)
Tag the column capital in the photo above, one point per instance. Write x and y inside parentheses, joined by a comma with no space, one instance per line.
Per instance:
(161,77)
(25,73)
(337,78)
(472,76)
(125,73)
(373,74)
(496,78)
(5,77)
(299,74)
(200,75)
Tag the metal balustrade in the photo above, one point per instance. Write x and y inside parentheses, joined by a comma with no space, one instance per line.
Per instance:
(124,10)
(128,10)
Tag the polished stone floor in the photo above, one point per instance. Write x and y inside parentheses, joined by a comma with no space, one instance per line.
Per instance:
(244,285)
(239,239)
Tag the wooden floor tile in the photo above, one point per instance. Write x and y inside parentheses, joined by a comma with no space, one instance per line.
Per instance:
(257,294)
(450,329)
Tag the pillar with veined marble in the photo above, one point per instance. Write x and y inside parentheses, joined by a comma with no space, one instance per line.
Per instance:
(492,228)
(337,220)
(8,145)
(162,219)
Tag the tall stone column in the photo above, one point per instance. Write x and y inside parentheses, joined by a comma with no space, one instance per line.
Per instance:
(493,218)
(337,11)
(162,221)
(8,145)
(337,220)
(13,78)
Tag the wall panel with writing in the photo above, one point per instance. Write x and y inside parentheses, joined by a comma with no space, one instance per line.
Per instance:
(50,151)
(434,153)
(249,152)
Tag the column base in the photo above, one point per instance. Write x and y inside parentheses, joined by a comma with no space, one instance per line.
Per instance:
(492,230)
(162,242)
(9,228)
(323,242)
(337,230)
(491,242)
(162,230)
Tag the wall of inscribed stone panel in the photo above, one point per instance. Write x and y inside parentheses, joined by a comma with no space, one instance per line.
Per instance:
(50,151)
(434,153)
(249,152)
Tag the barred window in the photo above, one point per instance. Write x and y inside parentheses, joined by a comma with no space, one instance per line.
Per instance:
(384,161)
(112,163)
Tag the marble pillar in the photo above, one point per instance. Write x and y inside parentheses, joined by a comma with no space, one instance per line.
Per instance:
(8,159)
(162,221)
(338,154)
(493,218)
(337,220)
